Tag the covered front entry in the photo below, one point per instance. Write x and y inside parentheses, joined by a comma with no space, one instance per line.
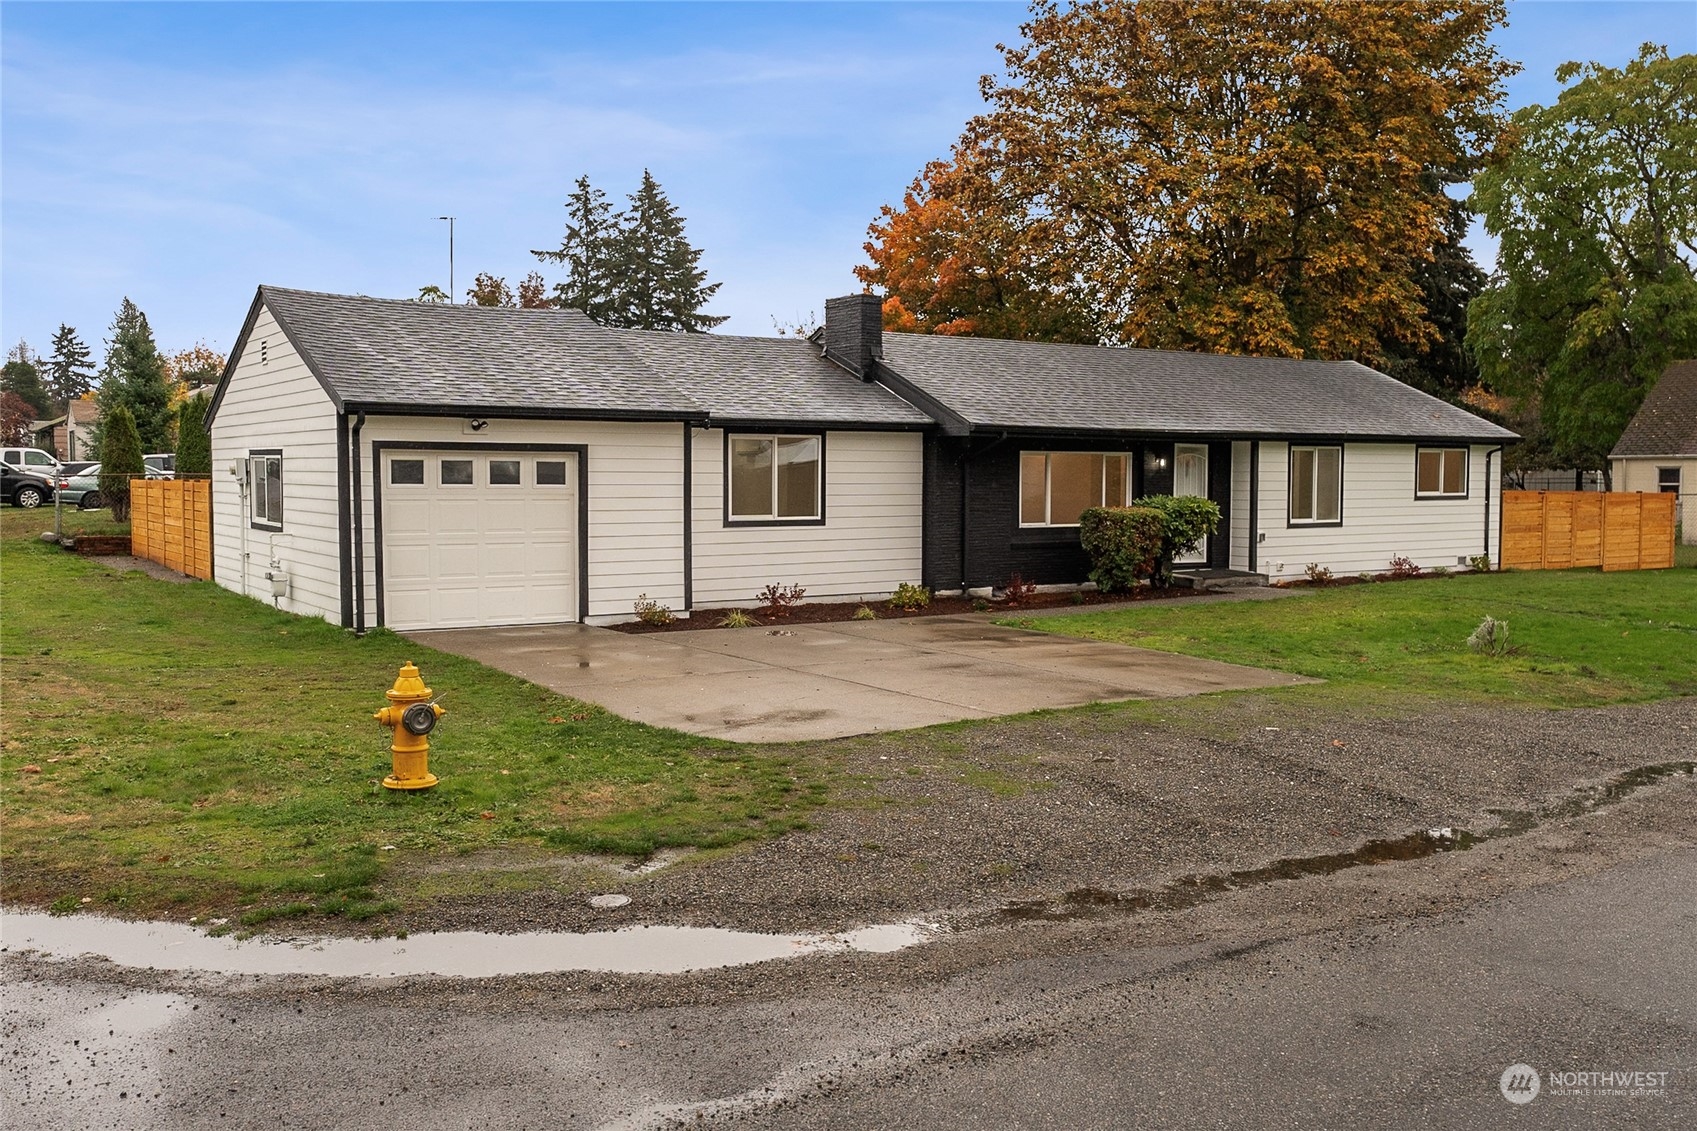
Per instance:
(478,537)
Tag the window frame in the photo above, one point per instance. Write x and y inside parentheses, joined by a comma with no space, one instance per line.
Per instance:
(1663,487)
(1291,521)
(1048,485)
(1466,472)
(257,458)
(773,434)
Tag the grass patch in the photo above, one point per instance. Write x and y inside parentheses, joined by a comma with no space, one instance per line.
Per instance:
(1582,637)
(200,753)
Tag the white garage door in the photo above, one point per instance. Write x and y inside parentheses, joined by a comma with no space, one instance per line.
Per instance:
(479,538)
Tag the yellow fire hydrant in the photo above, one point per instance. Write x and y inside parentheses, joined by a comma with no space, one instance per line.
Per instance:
(412,716)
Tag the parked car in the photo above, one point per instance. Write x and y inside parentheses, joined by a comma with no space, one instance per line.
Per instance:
(82,490)
(24,488)
(77,467)
(30,459)
(161,465)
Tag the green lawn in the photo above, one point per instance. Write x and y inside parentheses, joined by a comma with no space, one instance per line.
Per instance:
(200,751)
(1581,637)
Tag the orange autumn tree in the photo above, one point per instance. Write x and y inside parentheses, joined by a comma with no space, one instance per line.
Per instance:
(952,261)
(1253,176)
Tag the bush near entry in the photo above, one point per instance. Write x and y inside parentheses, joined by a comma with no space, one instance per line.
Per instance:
(1124,550)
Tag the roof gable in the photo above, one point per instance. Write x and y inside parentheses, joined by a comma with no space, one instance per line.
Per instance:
(1666,423)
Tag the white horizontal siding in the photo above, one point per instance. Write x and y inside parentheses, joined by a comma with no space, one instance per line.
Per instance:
(1381,517)
(869,543)
(1239,533)
(1639,474)
(277,403)
(636,507)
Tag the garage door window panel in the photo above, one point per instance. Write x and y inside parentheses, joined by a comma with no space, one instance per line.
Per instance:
(457,473)
(504,473)
(406,473)
(550,473)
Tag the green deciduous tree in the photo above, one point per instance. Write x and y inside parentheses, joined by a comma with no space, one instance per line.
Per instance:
(134,378)
(1595,204)
(22,376)
(194,446)
(120,460)
(1252,176)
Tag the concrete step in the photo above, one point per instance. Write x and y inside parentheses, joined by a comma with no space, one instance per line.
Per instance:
(1218,579)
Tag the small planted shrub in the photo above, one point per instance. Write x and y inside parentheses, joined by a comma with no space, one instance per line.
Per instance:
(1124,544)
(1480,563)
(865,613)
(1318,573)
(650,611)
(910,598)
(1019,590)
(736,618)
(775,600)
(1078,596)
(980,605)
(1439,571)
(1490,638)
(1404,567)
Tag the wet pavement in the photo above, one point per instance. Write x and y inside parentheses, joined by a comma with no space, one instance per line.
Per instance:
(787,684)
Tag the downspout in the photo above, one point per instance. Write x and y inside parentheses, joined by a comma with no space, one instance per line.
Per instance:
(1488,456)
(359,529)
(1254,506)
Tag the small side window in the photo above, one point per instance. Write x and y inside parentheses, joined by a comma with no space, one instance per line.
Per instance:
(265,489)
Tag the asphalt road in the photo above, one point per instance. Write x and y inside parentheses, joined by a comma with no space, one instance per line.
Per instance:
(1387,996)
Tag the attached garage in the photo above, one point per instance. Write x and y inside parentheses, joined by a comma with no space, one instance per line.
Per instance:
(472,536)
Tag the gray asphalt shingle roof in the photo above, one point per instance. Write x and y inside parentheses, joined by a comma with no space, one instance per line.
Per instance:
(777,379)
(1666,423)
(389,352)
(1036,385)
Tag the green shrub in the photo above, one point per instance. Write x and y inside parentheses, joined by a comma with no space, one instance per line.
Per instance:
(194,446)
(1480,563)
(120,461)
(1188,519)
(736,618)
(865,613)
(650,611)
(910,598)
(1124,544)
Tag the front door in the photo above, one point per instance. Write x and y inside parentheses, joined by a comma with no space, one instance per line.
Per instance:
(1190,477)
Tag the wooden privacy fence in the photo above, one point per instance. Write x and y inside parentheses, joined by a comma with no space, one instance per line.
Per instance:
(171,523)
(1573,529)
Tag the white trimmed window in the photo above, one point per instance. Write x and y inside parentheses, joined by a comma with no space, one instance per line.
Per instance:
(1440,473)
(1316,486)
(265,489)
(1056,488)
(775,478)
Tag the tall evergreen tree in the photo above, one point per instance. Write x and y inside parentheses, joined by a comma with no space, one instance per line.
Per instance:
(194,446)
(70,368)
(589,254)
(22,375)
(663,286)
(133,377)
(121,453)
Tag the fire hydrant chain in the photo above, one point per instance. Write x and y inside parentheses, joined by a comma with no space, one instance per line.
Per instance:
(412,715)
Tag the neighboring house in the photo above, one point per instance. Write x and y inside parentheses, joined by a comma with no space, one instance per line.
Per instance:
(1658,450)
(418,465)
(70,437)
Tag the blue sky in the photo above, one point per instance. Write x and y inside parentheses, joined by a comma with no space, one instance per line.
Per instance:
(182,154)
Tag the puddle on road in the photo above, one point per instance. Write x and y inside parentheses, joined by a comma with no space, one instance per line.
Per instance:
(450,954)
(1188,891)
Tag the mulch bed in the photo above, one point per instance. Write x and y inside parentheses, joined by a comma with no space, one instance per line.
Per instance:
(100,544)
(831,612)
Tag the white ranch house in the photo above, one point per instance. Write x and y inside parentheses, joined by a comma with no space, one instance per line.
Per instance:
(413,465)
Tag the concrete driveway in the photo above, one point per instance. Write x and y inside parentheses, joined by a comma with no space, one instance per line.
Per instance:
(788,684)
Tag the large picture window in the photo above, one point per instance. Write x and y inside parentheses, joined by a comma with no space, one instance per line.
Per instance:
(1316,486)
(1440,473)
(1056,488)
(775,478)
(265,489)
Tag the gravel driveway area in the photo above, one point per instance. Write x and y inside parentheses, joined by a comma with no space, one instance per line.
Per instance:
(961,824)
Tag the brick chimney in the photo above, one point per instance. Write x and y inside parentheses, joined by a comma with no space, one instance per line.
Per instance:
(854,332)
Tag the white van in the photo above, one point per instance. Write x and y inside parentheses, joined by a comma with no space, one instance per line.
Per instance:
(30,459)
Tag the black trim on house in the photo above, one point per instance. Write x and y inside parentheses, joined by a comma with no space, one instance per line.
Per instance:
(378,447)
(725,449)
(344,525)
(1254,504)
(689,517)
(241,344)
(359,526)
(948,421)
(519,412)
